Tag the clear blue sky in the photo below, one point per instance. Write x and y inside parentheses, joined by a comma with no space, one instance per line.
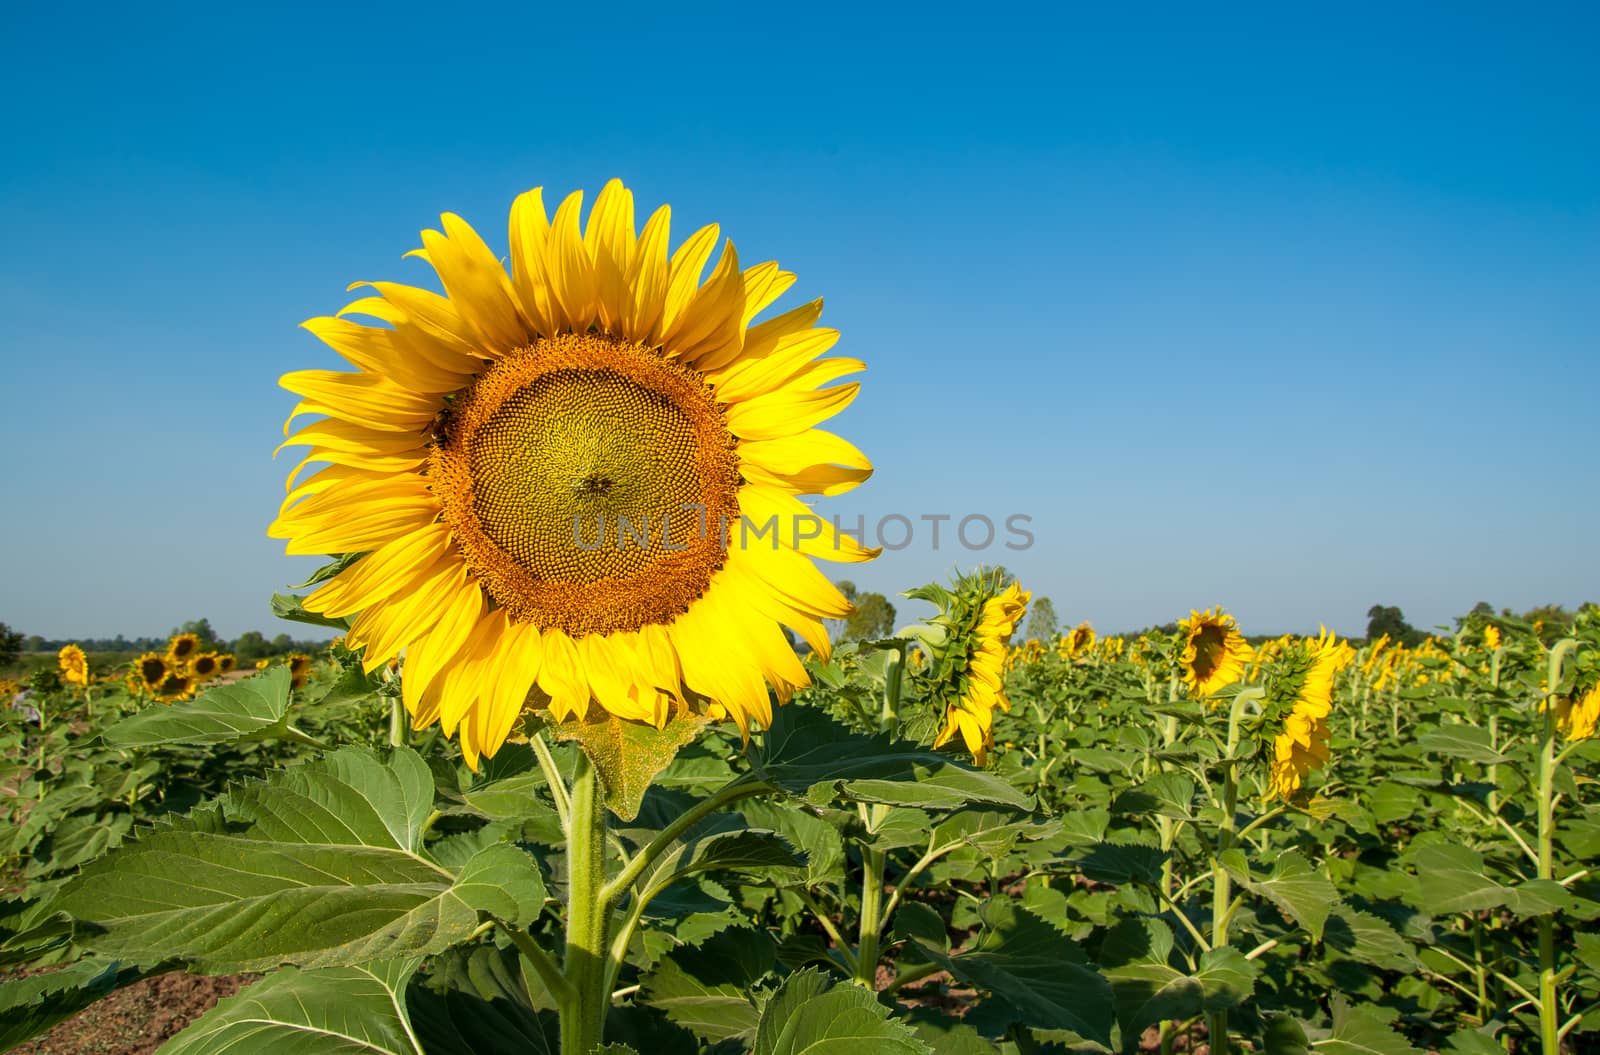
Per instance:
(1290,310)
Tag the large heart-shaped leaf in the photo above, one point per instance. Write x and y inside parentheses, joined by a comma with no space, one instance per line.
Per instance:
(330,873)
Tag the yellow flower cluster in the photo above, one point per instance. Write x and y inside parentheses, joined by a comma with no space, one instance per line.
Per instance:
(179,673)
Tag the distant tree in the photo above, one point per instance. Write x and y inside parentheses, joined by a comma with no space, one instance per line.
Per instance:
(1042,624)
(1388,619)
(251,646)
(10,645)
(200,628)
(873,618)
(35,643)
(1552,621)
(281,644)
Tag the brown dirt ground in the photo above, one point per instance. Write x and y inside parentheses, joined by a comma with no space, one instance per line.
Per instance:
(137,1019)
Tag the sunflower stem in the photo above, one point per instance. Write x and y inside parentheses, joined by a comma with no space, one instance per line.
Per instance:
(397,723)
(584,962)
(1549,1007)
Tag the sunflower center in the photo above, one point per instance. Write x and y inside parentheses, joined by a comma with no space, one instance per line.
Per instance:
(584,479)
(1209,645)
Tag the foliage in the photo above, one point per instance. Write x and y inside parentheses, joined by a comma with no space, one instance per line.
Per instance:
(835,884)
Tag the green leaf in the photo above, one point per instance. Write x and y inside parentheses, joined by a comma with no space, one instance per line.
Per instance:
(1473,1042)
(243,709)
(1282,1035)
(1298,890)
(916,921)
(1123,862)
(1451,878)
(1368,939)
(329,1011)
(33,1004)
(328,874)
(722,844)
(807,1017)
(628,755)
(475,1000)
(1359,1031)
(1466,742)
(807,753)
(714,1011)
(292,607)
(704,988)
(1035,969)
(820,841)
(1136,958)
(1165,794)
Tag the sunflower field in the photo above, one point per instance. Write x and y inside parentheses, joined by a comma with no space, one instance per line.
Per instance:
(586,772)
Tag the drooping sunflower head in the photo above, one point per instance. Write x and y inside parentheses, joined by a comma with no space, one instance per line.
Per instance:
(182,647)
(152,669)
(1578,715)
(577,485)
(74,665)
(967,653)
(1081,640)
(204,666)
(226,661)
(1214,652)
(1298,700)
(300,666)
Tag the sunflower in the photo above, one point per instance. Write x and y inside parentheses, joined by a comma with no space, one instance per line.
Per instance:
(182,646)
(578,481)
(152,669)
(969,658)
(204,666)
(174,687)
(263,664)
(1214,653)
(133,684)
(299,669)
(1080,640)
(1578,717)
(226,661)
(74,665)
(1491,637)
(1302,745)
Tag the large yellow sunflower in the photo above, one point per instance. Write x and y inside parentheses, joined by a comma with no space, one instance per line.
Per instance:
(74,665)
(577,483)
(1214,652)
(1302,746)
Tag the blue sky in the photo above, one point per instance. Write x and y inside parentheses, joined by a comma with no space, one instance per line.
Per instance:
(1293,311)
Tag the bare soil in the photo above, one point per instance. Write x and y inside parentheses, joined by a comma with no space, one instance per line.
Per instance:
(138,1019)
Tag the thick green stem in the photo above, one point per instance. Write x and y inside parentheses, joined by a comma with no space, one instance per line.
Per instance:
(1221,895)
(583,964)
(871,903)
(397,722)
(1549,1006)
(1549,1011)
